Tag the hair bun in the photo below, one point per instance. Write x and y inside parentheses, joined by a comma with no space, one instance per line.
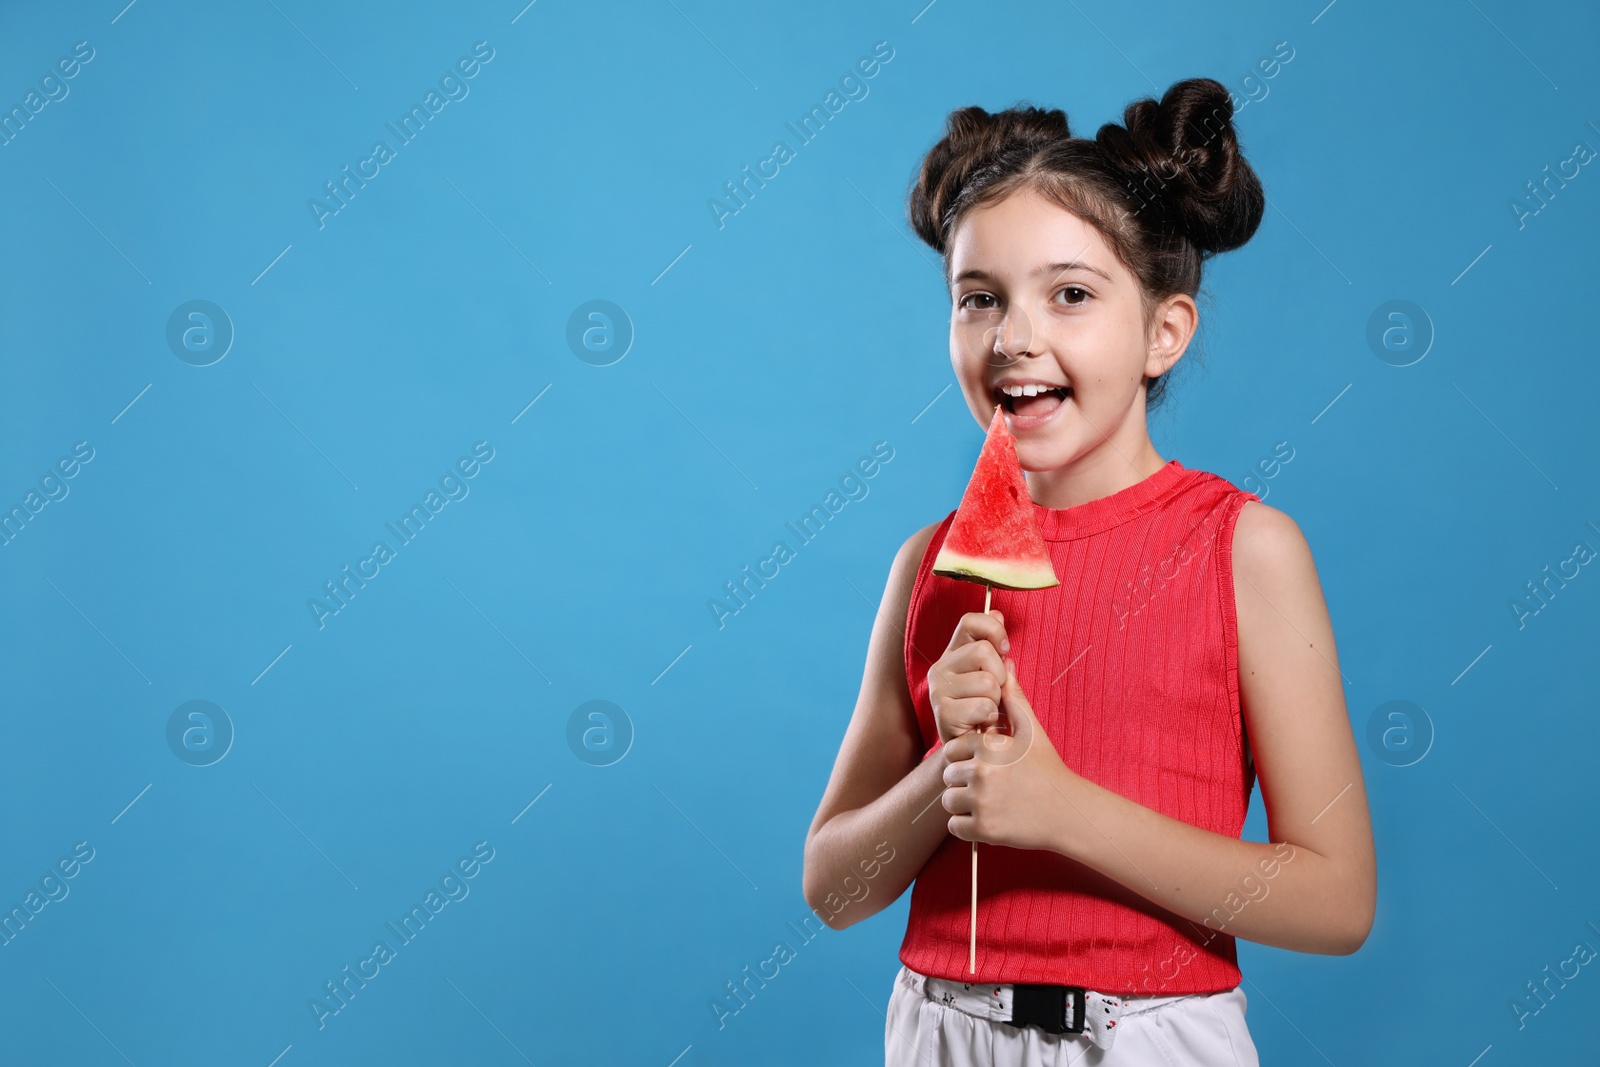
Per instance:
(1181,158)
(974,139)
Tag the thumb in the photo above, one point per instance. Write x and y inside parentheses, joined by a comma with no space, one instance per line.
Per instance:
(1012,696)
(1012,742)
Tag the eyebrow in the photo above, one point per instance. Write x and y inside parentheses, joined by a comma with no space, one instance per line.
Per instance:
(1048,268)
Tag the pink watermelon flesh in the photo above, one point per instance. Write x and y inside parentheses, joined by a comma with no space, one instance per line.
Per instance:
(994,537)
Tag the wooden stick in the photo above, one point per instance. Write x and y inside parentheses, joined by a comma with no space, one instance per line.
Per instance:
(972,951)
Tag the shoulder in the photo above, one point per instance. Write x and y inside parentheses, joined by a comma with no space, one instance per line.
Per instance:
(907,562)
(1269,550)
(917,544)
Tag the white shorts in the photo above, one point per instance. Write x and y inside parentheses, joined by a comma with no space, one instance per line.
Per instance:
(1188,1030)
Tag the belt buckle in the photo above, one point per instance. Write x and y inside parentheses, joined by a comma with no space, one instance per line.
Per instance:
(1056,1009)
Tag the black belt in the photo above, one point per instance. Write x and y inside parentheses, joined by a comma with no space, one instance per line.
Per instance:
(1056,1009)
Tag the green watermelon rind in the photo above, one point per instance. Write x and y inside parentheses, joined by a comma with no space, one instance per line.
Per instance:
(999,572)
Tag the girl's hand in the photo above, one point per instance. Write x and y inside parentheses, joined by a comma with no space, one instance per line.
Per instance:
(1003,788)
(965,683)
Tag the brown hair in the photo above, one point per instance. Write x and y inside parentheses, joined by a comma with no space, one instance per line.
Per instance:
(1167,189)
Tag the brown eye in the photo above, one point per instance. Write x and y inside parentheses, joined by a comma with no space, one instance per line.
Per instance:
(974,296)
(1083,294)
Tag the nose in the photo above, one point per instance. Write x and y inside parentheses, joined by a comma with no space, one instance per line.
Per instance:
(1010,337)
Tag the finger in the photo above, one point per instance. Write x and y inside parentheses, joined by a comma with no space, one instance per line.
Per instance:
(976,626)
(974,682)
(959,773)
(981,655)
(957,801)
(957,714)
(961,747)
(963,827)
(1010,688)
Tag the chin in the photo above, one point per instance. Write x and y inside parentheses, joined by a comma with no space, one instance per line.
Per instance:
(1036,457)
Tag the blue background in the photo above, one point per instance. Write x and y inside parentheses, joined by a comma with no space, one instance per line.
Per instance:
(768,354)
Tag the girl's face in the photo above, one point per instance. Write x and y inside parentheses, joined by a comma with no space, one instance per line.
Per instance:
(1039,298)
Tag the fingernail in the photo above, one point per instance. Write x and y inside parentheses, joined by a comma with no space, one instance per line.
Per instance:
(1005,644)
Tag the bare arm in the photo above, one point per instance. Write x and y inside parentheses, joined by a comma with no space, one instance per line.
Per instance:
(881,789)
(1316,889)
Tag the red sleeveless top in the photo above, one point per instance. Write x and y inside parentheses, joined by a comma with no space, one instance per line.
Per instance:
(1131,665)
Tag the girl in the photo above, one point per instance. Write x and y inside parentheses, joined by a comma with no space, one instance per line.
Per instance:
(1097,740)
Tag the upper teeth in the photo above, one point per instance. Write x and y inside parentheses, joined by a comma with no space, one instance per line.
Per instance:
(1028,390)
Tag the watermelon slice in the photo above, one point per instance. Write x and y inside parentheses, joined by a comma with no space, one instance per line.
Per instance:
(994,537)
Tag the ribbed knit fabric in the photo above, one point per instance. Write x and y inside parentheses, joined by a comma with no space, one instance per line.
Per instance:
(1131,665)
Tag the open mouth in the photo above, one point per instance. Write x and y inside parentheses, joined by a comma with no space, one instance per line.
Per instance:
(1038,406)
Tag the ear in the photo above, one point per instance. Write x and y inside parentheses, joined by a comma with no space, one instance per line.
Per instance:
(1176,320)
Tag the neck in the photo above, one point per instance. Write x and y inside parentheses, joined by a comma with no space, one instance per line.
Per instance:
(1094,475)
(1124,458)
